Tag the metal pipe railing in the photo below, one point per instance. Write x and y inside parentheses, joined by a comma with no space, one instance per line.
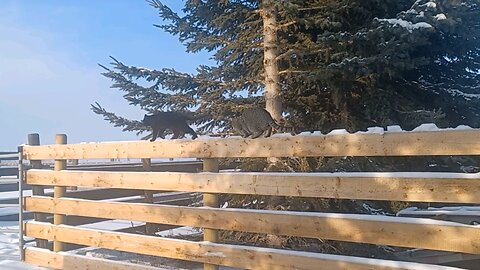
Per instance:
(20,204)
(9,156)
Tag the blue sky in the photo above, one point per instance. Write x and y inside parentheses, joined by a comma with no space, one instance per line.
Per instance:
(49,75)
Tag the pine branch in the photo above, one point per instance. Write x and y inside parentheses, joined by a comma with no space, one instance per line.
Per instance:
(127,125)
(339,66)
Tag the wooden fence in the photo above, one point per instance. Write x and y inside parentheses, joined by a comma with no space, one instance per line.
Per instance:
(357,228)
(119,195)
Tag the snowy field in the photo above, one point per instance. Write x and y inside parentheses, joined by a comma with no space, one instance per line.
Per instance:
(9,234)
(9,250)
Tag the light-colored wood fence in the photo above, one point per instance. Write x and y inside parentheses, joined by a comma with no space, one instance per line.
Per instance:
(357,228)
(120,195)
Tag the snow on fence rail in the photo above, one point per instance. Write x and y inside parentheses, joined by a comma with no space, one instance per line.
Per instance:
(381,230)
(442,142)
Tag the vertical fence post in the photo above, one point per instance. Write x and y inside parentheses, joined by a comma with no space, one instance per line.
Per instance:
(147,166)
(210,200)
(60,164)
(34,139)
(21,241)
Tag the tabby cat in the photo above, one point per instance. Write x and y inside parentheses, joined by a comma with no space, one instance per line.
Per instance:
(174,121)
(257,121)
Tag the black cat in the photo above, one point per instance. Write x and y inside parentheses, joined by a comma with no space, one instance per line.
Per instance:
(174,121)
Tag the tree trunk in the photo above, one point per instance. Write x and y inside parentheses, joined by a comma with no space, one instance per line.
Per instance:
(273,97)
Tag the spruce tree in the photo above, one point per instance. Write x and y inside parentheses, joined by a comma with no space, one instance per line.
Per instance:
(383,63)
(341,64)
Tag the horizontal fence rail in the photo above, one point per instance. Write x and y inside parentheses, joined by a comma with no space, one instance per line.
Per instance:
(228,255)
(426,187)
(64,260)
(450,142)
(9,155)
(394,231)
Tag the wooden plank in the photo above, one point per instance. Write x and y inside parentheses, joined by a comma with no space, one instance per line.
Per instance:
(148,195)
(59,191)
(34,139)
(64,260)
(210,200)
(382,230)
(417,186)
(82,220)
(221,254)
(446,142)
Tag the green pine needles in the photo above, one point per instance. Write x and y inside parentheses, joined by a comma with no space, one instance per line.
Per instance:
(341,64)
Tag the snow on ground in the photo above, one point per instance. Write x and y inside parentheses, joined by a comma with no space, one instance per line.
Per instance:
(112,225)
(162,263)
(9,241)
(10,254)
(9,235)
(9,250)
(446,210)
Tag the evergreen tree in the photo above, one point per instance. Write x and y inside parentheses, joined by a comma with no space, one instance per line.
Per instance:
(385,62)
(341,64)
